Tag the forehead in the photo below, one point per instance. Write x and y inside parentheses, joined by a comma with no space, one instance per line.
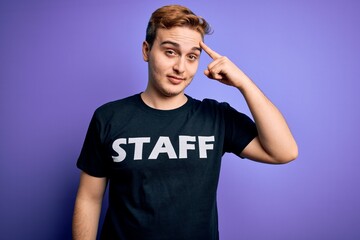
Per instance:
(184,36)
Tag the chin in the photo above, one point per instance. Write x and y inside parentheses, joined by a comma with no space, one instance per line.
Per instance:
(171,93)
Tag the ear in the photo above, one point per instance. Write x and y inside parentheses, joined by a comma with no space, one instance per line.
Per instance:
(145,51)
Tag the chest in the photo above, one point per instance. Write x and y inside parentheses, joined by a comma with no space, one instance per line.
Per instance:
(141,142)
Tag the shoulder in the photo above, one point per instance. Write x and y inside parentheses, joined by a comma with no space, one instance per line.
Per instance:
(211,104)
(115,109)
(117,105)
(120,103)
(214,107)
(114,114)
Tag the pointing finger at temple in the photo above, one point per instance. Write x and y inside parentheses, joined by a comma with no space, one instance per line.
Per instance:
(214,55)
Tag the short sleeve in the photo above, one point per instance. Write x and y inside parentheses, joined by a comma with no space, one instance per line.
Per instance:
(92,159)
(240,130)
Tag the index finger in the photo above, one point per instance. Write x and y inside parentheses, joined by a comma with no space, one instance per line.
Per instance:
(214,55)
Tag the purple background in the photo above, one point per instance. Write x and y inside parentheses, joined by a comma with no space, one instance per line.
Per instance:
(59,60)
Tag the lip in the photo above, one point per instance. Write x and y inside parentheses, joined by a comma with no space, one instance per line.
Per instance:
(175,80)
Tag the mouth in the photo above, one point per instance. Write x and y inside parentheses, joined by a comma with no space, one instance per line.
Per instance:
(175,79)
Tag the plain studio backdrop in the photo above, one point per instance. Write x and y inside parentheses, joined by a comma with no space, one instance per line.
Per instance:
(59,60)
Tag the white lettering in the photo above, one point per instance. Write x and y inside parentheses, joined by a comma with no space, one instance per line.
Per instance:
(119,150)
(163,145)
(184,146)
(139,143)
(203,146)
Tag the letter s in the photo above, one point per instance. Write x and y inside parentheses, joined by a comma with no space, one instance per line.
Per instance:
(119,150)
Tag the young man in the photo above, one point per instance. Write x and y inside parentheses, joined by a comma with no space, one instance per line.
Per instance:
(161,150)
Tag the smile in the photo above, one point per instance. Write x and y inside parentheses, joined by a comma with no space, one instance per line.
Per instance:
(175,80)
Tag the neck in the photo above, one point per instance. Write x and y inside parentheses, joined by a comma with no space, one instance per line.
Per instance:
(163,102)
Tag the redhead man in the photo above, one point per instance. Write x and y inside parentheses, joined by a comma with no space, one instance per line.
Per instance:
(160,150)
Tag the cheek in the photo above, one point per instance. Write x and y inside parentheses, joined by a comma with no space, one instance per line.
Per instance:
(160,65)
(155,68)
(192,68)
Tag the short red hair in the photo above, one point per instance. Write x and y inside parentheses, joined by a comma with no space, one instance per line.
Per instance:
(175,16)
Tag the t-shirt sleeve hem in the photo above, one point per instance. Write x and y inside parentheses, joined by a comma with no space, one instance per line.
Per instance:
(248,140)
(90,172)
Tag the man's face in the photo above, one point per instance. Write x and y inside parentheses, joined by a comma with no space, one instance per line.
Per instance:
(173,60)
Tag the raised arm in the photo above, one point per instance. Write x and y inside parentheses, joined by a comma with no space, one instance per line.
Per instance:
(88,207)
(275,143)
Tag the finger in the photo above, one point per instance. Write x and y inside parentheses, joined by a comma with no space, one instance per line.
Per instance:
(213,74)
(207,73)
(214,55)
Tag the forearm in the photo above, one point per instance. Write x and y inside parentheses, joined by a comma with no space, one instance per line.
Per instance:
(88,207)
(86,219)
(274,134)
(275,143)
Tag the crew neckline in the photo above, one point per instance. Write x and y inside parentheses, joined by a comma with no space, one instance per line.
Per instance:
(161,112)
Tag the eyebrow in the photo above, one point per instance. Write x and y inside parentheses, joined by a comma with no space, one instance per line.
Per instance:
(178,45)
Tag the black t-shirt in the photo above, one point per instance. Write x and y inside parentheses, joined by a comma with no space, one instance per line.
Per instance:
(163,165)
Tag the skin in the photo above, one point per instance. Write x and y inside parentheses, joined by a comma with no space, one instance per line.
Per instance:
(172,63)
(275,143)
(88,207)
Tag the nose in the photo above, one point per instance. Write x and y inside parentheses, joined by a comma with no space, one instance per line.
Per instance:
(179,66)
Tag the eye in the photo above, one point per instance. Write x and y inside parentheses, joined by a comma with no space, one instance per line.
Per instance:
(170,52)
(192,57)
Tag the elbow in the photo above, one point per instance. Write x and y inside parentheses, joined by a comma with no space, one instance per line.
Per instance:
(286,159)
(288,156)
